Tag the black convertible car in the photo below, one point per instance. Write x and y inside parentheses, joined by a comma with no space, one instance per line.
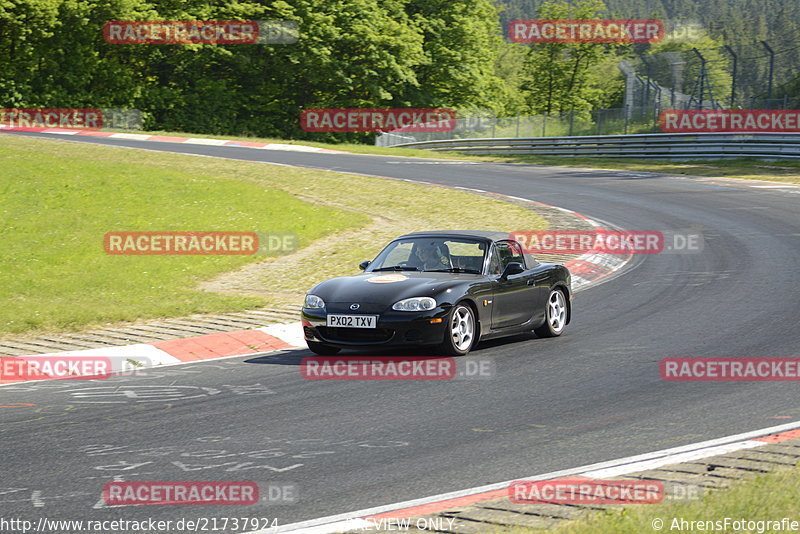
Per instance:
(447,288)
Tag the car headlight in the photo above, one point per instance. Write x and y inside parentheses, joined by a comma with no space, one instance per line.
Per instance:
(415,304)
(313,301)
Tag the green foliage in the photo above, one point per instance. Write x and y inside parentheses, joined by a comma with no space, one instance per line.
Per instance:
(718,75)
(605,84)
(742,24)
(57,202)
(351,53)
(509,63)
(461,39)
(362,54)
(556,76)
(734,21)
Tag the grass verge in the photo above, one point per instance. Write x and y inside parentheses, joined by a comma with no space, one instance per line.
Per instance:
(747,169)
(59,198)
(770,496)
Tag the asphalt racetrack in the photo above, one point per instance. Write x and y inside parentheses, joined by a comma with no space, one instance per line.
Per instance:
(592,395)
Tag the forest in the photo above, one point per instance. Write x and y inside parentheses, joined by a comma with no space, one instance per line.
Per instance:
(450,54)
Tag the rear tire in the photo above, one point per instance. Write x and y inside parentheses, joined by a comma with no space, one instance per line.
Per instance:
(555,315)
(460,331)
(322,349)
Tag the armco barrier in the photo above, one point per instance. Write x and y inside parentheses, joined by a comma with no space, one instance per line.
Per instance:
(654,146)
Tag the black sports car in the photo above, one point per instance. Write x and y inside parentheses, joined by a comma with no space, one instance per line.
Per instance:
(447,288)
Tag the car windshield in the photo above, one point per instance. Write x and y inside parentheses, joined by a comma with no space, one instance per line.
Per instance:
(432,254)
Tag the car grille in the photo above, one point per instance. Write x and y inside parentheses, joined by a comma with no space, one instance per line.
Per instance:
(355,335)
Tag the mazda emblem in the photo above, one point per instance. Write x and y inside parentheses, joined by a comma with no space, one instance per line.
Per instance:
(354,306)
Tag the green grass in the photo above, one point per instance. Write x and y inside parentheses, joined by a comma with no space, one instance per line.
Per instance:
(766,497)
(58,199)
(744,168)
(749,169)
(55,209)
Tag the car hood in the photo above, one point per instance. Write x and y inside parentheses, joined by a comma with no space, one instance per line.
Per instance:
(388,287)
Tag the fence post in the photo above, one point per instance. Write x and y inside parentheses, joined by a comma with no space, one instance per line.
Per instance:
(733,75)
(656,105)
(517,125)
(571,118)
(702,76)
(647,75)
(626,124)
(771,68)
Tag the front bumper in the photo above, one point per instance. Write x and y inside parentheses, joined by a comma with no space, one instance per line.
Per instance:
(393,329)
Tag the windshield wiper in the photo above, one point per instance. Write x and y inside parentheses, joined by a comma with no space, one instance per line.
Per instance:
(453,270)
(396,268)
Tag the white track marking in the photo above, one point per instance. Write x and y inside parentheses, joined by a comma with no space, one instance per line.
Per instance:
(204,141)
(621,466)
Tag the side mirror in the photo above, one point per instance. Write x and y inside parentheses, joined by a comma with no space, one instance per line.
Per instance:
(364,264)
(512,268)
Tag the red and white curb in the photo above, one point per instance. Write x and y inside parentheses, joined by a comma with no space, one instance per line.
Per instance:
(592,266)
(127,358)
(171,139)
(371,518)
(586,270)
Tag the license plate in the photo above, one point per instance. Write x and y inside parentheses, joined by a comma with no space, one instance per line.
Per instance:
(353,321)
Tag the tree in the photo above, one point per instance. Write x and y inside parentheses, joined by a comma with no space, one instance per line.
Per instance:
(461,39)
(716,84)
(556,75)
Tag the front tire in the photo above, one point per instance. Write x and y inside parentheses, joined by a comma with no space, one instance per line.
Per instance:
(322,349)
(555,315)
(459,335)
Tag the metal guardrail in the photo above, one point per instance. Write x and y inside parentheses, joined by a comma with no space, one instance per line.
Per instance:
(653,146)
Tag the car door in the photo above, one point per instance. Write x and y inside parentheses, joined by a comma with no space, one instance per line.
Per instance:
(515,297)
